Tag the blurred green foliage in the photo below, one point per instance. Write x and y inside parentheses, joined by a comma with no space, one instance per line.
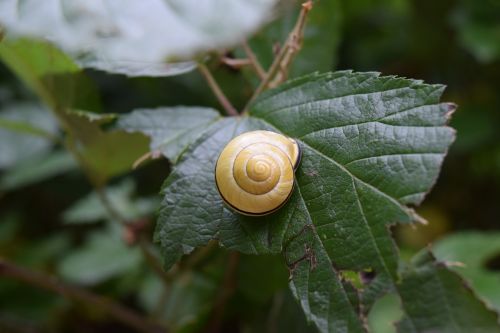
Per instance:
(50,222)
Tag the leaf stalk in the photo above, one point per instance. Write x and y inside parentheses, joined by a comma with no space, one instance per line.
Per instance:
(214,86)
(285,55)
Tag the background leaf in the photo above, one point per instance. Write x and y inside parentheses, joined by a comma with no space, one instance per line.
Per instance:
(437,300)
(470,254)
(478,27)
(136,39)
(103,256)
(66,90)
(90,209)
(36,169)
(21,126)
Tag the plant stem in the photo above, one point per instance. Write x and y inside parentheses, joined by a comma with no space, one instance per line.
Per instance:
(115,310)
(153,262)
(25,128)
(144,244)
(228,107)
(254,61)
(291,46)
(113,213)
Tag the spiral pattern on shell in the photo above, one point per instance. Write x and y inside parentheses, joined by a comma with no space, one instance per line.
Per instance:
(255,172)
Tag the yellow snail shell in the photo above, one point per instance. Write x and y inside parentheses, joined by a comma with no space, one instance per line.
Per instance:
(255,172)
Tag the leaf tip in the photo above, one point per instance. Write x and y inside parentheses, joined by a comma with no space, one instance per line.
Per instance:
(417,218)
(452,107)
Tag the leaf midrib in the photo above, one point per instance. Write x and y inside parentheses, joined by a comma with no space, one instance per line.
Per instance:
(353,177)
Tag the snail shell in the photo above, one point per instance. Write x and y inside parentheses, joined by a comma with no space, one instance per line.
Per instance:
(255,172)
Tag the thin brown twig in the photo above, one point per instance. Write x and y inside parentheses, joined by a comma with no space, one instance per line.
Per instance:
(144,244)
(115,310)
(291,45)
(235,63)
(228,107)
(198,256)
(142,159)
(254,61)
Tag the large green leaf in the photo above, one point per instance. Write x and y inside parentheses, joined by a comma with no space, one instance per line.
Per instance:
(435,299)
(136,38)
(370,145)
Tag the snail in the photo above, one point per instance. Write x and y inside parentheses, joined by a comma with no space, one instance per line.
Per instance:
(255,172)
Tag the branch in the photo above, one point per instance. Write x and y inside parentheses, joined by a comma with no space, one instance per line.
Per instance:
(283,59)
(254,61)
(115,310)
(228,107)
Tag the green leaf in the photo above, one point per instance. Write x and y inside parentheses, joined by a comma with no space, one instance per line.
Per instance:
(189,303)
(104,255)
(107,158)
(468,254)
(370,145)
(90,208)
(435,299)
(102,151)
(384,314)
(52,75)
(25,130)
(478,28)
(137,38)
(171,129)
(60,83)
(36,169)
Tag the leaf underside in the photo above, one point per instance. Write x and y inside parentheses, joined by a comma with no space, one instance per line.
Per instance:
(370,144)
(146,38)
